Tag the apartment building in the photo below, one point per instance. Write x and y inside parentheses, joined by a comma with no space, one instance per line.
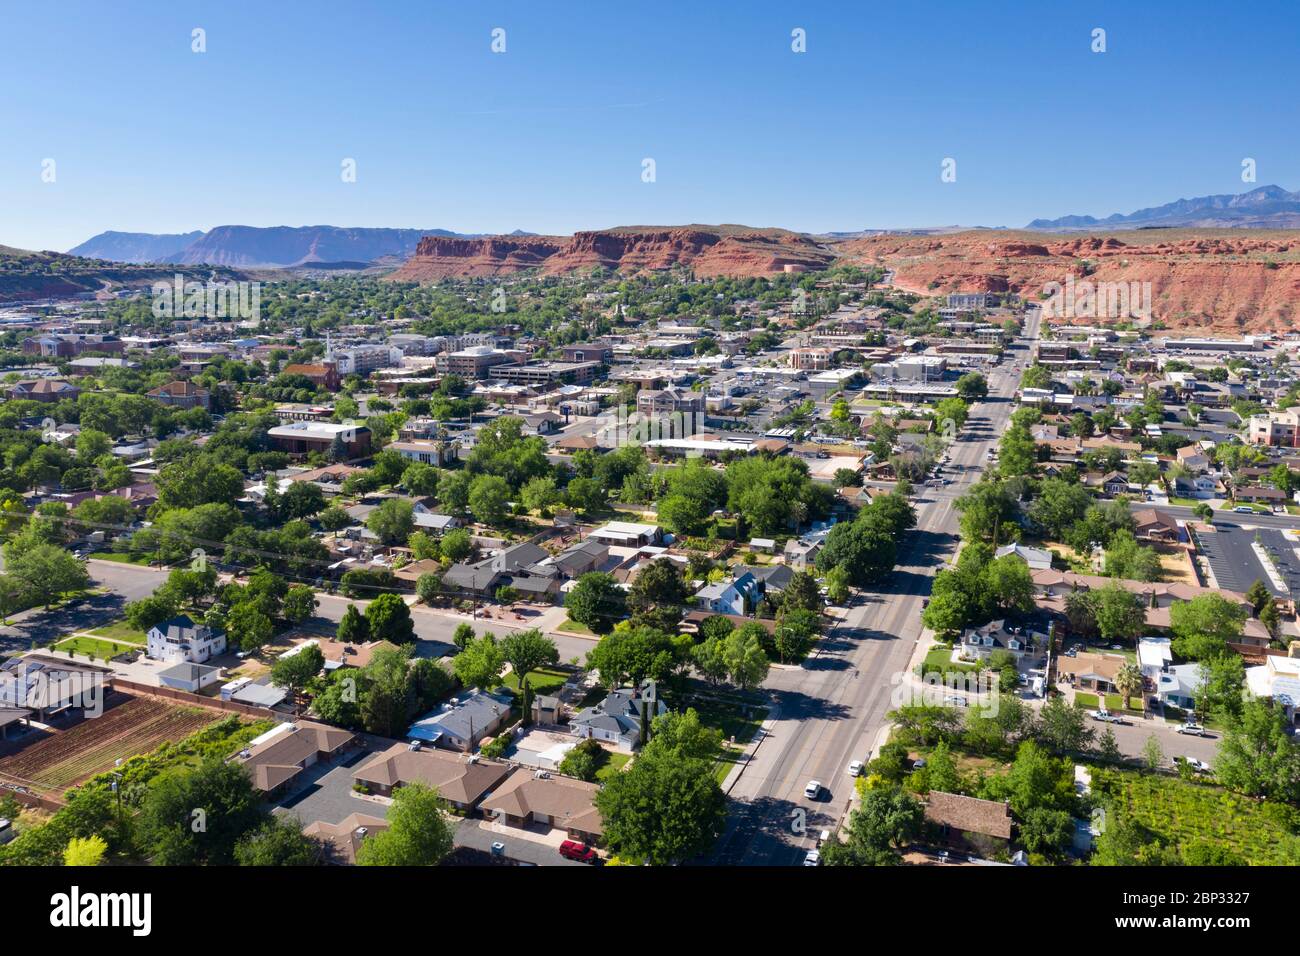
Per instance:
(1275,429)
(668,400)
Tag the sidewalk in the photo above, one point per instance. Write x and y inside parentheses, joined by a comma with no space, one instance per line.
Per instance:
(747,754)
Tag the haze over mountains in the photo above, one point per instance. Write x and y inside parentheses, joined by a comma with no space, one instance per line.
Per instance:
(1268,207)
(258,246)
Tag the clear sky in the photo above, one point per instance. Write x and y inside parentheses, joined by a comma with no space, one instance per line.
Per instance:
(148,136)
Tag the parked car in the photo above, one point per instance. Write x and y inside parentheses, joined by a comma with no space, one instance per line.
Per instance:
(1243,510)
(812,858)
(855,768)
(955,701)
(573,850)
(1194,729)
(813,790)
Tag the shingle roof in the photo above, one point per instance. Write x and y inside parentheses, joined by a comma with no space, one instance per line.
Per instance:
(969,814)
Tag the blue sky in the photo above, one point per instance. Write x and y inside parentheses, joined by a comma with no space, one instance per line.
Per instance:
(550,136)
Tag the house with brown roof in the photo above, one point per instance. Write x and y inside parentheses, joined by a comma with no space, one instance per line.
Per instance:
(275,759)
(532,798)
(181,394)
(342,840)
(969,822)
(44,390)
(1151,524)
(460,779)
(323,375)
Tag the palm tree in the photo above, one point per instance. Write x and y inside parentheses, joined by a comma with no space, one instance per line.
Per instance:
(1128,681)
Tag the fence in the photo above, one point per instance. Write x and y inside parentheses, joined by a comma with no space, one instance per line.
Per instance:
(185,697)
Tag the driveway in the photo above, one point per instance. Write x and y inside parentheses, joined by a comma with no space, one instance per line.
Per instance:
(325,793)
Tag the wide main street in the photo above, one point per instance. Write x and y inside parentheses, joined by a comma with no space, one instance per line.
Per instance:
(832,709)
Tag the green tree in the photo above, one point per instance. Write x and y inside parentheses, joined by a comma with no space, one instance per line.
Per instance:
(1205,625)
(419,831)
(278,842)
(353,627)
(389,619)
(393,521)
(480,662)
(887,820)
(296,671)
(197,816)
(596,601)
(489,499)
(525,652)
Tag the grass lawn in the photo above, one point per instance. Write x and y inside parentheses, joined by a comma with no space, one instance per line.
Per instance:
(573,627)
(614,764)
(121,558)
(938,659)
(1187,813)
(93,647)
(545,681)
(119,631)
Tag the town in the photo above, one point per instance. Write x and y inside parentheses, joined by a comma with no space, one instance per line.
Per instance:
(468,572)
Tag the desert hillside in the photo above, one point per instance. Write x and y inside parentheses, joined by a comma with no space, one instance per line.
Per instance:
(1226,280)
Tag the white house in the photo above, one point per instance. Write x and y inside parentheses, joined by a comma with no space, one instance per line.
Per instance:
(180,640)
(1277,678)
(1154,654)
(729,597)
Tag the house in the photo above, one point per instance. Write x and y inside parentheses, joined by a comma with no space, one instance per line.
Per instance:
(484,577)
(1154,655)
(179,639)
(1152,524)
(189,677)
(323,375)
(46,686)
(276,758)
(1113,484)
(302,438)
(460,779)
(181,394)
(1038,559)
(628,534)
(1278,680)
(464,722)
(980,642)
(1089,671)
(620,718)
(1178,684)
(538,797)
(342,840)
(968,821)
(13,717)
(44,390)
(582,558)
(736,596)
(801,555)
(1193,458)
(772,579)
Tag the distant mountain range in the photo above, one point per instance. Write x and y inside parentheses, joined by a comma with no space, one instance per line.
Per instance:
(258,246)
(1268,207)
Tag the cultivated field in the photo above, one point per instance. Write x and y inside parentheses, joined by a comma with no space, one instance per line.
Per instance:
(135,726)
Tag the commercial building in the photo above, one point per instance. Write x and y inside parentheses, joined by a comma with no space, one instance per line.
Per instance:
(302,438)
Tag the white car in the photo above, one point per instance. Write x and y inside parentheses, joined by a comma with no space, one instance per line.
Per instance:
(813,790)
(855,768)
(812,858)
(955,701)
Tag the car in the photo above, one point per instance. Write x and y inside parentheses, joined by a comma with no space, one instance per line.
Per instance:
(1195,730)
(918,763)
(813,790)
(1105,716)
(855,768)
(1200,766)
(955,701)
(1243,510)
(573,850)
(812,858)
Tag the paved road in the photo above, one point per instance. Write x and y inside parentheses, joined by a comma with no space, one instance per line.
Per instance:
(831,710)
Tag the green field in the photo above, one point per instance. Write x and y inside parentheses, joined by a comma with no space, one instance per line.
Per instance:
(614,763)
(93,647)
(1186,813)
(119,631)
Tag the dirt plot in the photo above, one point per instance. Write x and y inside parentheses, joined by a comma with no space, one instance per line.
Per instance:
(134,725)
